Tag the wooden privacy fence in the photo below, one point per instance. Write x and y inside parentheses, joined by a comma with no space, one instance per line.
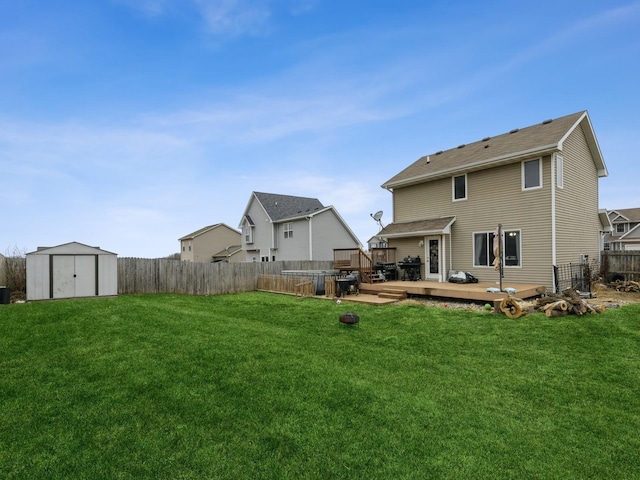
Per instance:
(160,275)
(303,287)
(620,264)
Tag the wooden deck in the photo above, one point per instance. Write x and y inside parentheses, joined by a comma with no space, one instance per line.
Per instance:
(389,292)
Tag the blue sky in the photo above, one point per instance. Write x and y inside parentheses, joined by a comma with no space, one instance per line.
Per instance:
(127,124)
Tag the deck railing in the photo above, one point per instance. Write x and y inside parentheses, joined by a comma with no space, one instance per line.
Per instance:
(353,260)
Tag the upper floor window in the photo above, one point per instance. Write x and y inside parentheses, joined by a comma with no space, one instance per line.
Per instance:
(532,174)
(459,186)
(619,227)
(247,232)
(288,230)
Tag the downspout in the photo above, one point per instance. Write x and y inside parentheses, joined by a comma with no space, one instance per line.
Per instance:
(553,218)
(450,257)
(310,219)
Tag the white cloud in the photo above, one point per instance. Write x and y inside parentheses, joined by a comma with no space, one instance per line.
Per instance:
(148,7)
(234,17)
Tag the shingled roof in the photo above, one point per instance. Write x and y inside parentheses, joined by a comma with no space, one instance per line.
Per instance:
(628,214)
(543,138)
(429,226)
(205,230)
(283,207)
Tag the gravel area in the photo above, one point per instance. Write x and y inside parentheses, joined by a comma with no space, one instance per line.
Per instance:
(601,295)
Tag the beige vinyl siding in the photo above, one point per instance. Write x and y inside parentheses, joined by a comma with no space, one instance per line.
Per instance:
(577,221)
(209,243)
(409,247)
(494,196)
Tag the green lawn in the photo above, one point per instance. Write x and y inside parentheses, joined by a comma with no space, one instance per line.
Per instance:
(264,386)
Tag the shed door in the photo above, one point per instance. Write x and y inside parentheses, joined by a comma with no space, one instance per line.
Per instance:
(63,276)
(74,276)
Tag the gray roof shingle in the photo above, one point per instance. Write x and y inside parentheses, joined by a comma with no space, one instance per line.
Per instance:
(418,227)
(518,143)
(282,207)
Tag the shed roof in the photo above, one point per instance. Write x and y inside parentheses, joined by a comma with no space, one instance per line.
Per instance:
(71,248)
(542,138)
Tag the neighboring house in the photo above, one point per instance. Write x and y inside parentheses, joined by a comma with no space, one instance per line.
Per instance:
(202,245)
(625,233)
(376,242)
(230,254)
(284,227)
(540,183)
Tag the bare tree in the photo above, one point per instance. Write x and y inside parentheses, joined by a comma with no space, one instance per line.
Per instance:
(14,268)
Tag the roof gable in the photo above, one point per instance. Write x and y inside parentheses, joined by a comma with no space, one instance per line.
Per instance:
(71,248)
(625,215)
(542,138)
(206,229)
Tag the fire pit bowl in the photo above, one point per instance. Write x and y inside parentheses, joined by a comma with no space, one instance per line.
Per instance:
(349,318)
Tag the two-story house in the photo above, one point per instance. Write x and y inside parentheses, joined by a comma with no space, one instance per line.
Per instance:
(625,233)
(208,244)
(285,227)
(539,183)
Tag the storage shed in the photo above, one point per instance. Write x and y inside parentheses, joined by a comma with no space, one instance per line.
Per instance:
(71,270)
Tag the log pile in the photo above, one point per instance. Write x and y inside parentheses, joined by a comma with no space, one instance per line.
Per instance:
(567,303)
(625,286)
(511,307)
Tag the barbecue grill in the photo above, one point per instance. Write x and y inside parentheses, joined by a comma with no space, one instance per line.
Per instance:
(410,268)
(388,269)
(348,284)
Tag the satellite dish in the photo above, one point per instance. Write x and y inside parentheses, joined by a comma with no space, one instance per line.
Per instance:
(377,216)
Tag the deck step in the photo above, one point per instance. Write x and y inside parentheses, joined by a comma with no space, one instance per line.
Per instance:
(393,293)
(371,291)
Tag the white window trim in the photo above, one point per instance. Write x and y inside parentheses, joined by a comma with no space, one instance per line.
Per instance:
(473,247)
(288,230)
(453,188)
(559,171)
(523,174)
(504,233)
(247,231)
